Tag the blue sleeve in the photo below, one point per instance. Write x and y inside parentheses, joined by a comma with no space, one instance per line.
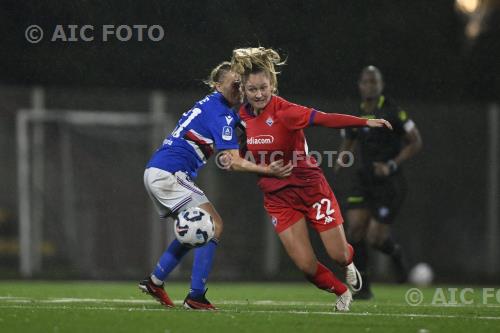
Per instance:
(223,131)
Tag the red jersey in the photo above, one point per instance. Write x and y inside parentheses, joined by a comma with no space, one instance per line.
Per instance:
(277,133)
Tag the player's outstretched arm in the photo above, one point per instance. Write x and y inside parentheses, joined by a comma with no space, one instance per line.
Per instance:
(338,120)
(231,160)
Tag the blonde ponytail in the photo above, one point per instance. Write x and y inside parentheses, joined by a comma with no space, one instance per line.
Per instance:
(217,74)
(253,60)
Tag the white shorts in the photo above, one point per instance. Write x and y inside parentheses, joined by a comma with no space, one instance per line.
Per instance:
(172,193)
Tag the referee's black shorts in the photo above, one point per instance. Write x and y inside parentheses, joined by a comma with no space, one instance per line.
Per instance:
(383,196)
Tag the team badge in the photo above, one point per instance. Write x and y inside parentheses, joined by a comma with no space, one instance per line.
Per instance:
(274,220)
(329,219)
(269,121)
(227,133)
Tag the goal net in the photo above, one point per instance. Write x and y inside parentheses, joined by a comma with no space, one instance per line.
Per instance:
(83,210)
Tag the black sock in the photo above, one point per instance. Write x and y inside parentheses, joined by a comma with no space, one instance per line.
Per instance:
(393,250)
(388,247)
(361,261)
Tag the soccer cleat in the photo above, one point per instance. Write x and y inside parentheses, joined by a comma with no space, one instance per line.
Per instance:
(158,292)
(198,303)
(353,278)
(364,294)
(344,301)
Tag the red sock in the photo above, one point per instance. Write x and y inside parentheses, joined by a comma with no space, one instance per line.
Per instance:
(326,280)
(351,254)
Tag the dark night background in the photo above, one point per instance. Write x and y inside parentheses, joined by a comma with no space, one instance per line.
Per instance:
(419,45)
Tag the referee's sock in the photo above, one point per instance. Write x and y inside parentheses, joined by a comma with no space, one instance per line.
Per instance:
(392,249)
(361,261)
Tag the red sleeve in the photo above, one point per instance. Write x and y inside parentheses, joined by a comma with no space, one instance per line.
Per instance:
(294,116)
(336,120)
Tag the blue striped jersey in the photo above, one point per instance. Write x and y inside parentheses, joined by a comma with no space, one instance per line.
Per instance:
(209,125)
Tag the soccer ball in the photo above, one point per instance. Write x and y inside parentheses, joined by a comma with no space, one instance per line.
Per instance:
(194,227)
(421,275)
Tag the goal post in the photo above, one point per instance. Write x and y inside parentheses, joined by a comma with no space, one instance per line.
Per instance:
(31,124)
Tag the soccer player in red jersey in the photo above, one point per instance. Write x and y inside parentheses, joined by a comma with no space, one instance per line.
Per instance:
(274,131)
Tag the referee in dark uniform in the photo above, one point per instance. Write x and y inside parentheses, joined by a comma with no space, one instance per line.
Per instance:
(379,186)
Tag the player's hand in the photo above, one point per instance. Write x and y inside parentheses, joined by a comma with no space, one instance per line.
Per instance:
(225,160)
(278,170)
(382,169)
(379,123)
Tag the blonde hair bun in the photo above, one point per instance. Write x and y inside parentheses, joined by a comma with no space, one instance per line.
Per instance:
(251,60)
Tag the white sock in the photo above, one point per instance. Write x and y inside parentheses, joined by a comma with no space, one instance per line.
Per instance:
(156,281)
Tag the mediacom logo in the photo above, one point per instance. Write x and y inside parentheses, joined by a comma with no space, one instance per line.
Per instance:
(260,140)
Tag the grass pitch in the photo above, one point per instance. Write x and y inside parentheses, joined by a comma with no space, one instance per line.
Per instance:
(244,307)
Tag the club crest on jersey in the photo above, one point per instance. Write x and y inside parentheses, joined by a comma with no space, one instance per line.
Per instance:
(274,221)
(227,133)
(229,119)
(269,121)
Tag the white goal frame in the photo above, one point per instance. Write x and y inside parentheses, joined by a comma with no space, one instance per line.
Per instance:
(30,177)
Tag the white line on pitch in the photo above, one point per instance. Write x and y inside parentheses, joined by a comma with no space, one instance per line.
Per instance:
(14,299)
(326,313)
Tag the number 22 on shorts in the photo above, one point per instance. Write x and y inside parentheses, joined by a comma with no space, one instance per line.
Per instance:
(328,210)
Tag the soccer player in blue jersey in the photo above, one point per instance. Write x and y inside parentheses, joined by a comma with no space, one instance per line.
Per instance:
(210,124)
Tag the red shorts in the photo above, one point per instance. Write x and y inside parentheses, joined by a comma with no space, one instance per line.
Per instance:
(316,203)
